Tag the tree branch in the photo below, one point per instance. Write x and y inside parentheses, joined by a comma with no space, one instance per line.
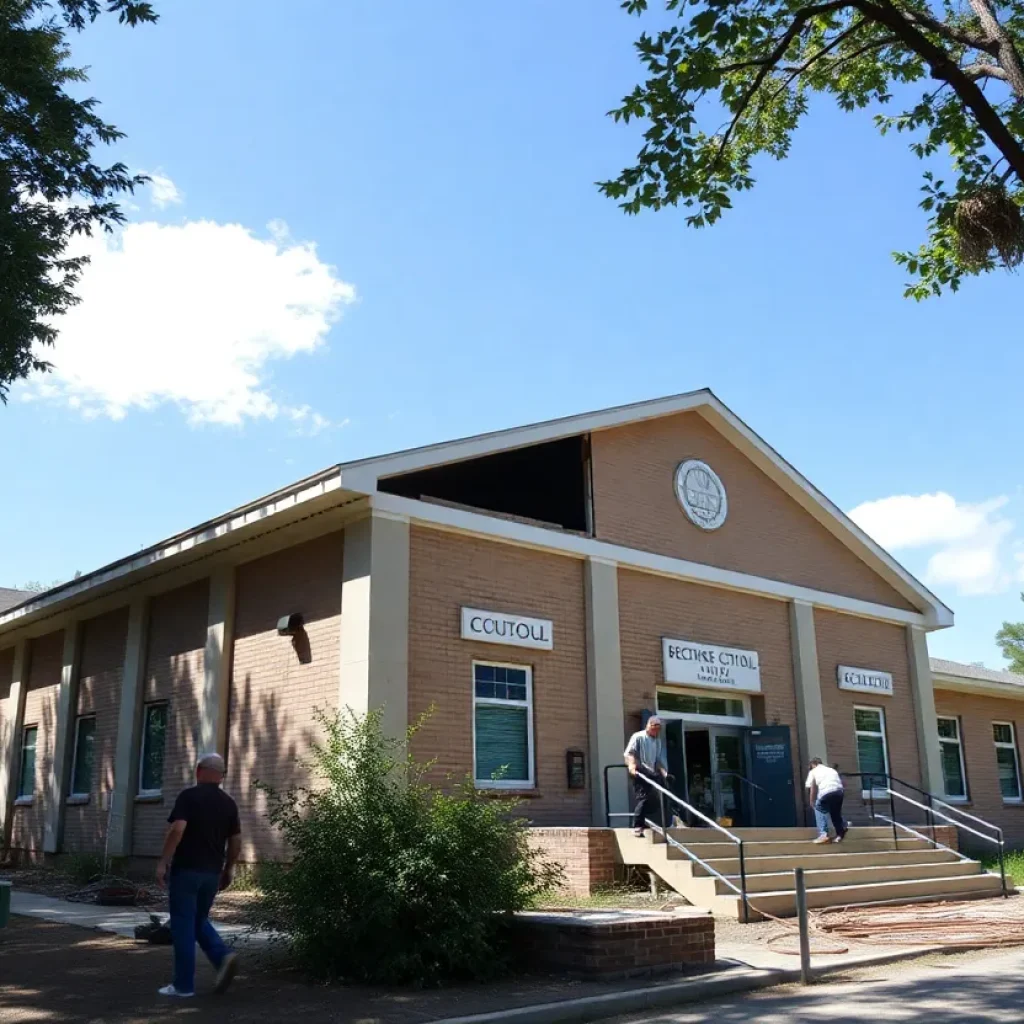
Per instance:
(983,70)
(975,40)
(1005,51)
(945,69)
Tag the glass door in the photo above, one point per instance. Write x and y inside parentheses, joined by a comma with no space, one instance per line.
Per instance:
(727,746)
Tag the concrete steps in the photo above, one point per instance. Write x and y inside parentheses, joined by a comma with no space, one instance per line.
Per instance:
(868,867)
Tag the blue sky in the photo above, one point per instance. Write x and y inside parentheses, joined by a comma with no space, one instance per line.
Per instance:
(467,276)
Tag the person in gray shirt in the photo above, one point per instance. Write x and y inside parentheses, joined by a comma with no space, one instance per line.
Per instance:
(645,759)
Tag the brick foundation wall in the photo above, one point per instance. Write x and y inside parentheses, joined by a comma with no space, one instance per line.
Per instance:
(47,658)
(447,572)
(611,944)
(976,713)
(766,533)
(99,693)
(174,673)
(276,687)
(588,856)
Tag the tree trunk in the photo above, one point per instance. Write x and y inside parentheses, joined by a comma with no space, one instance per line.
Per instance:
(1008,57)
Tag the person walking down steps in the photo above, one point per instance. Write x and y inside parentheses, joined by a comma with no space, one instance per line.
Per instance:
(646,760)
(198,861)
(826,796)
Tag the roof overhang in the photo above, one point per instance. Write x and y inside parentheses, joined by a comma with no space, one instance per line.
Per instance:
(982,687)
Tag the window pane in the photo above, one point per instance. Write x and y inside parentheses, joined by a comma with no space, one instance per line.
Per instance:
(952,773)
(948,728)
(1009,784)
(85,748)
(516,676)
(516,692)
(735,708)
(1002,732)
(154,741)
(711,705)
(682,703)
(26,783)
(868,719)
(484,689)
(871,757)
(502,744)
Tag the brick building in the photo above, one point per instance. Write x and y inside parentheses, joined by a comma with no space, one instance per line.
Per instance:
(541,588)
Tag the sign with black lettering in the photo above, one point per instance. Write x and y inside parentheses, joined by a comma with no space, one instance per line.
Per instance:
(514,630)
(864,680)
(721,668)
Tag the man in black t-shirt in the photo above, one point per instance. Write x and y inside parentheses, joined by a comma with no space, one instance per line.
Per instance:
(200,851)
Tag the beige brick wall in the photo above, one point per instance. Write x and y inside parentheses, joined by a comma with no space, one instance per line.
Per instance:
(766,534)
(652,607)
(588,856)
(977,713)
(846,640)
(448,571)
(273,693)
(99,693)
(174,672)
(47,656)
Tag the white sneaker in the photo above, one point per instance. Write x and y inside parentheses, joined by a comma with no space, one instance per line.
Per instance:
(170,990)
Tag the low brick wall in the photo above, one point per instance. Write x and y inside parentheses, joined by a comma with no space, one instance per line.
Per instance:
(609,944)
(588,855)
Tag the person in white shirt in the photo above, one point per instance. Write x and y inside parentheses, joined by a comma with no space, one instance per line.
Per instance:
(645,759)
(826,793)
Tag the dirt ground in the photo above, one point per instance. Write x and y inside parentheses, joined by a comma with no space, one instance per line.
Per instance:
(57,974)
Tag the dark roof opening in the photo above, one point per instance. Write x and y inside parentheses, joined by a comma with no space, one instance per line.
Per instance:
(547,483)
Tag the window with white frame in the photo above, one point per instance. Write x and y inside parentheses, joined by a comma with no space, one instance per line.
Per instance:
(710,707)
(84,760)
(951,753)
(27,772)
(502,726)
(151,757)
(1005,737)
(872,751)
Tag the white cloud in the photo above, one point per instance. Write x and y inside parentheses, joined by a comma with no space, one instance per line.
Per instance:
(192,314)
(970,538)
(162,191)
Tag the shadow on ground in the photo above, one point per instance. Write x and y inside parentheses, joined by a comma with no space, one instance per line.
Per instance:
(57,974)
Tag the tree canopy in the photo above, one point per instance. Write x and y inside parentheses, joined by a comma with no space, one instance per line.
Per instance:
(1010,639)
(50,186)
(730,80)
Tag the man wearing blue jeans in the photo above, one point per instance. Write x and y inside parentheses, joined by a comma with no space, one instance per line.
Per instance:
(198,860)
(826,794)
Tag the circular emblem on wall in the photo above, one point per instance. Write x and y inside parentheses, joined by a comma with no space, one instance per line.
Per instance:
(702,494)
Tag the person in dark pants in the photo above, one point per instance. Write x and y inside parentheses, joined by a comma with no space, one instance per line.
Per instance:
(826,795)
(198,861)
(646,760)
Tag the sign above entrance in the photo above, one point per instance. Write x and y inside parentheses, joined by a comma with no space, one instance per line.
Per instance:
(702,494)
(864,680)
(515,630)
(720,668)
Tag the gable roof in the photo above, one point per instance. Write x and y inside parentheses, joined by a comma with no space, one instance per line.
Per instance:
(365,474)
(348,482)
(9,598)
(957,670)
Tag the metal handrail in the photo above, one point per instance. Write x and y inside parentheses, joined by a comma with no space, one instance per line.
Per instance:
(932,813)
(753,785)
(741,889)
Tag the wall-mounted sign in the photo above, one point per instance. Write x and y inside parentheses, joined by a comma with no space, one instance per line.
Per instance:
(702,494)
(864,680)
(515,630)
(721,668)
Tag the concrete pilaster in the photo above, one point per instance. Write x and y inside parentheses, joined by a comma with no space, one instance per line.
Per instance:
(375,621)
(220,624)
(10,755)
(924,711)
(810,716)
(59,781)
(604,689)
(129,720)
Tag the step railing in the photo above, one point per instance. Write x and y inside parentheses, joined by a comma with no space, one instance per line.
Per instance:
(663,830)
(746,782)
(930,805)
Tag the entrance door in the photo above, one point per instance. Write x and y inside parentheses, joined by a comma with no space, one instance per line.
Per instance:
(770,757)
(728,760)
(700,786)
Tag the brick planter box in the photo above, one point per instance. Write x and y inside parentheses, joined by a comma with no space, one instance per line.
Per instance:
(588,855)
(616,943)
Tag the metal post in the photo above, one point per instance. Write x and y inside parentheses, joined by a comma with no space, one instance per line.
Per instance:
(607,806)
(931,818)
(892,815)
(664,820)
(1002,867)
(805,938)
(743,885)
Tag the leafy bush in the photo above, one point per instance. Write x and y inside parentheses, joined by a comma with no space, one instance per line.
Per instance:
(83,868)
(392,880)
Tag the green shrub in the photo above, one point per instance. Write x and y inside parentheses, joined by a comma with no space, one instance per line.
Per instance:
(83,868)
(392,880)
